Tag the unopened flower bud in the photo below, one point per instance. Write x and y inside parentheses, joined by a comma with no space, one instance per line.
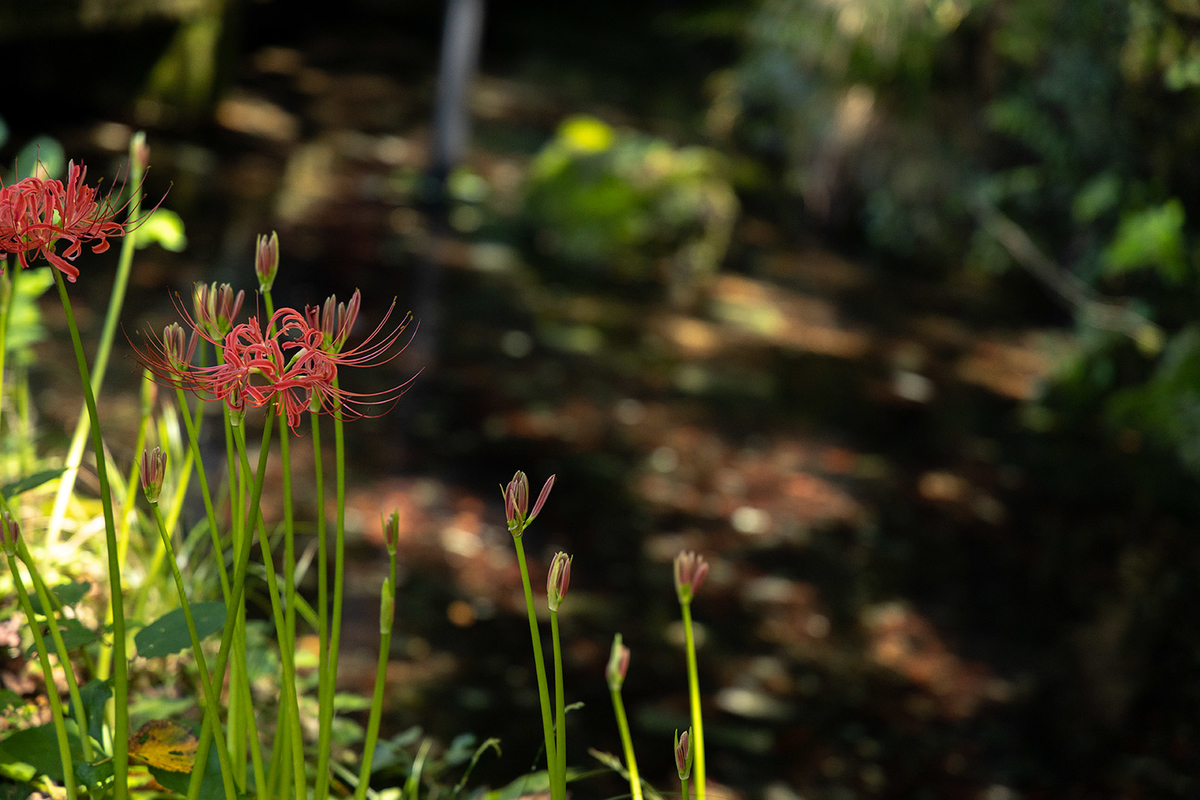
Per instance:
(558,579)
(387,606)
(618,664)
(690,571)
(266,261)
(235,401)
(216,307)
(153,469)
(10,532)
(176,347)
(516,502)
(391,531)
(683,753)
(139,151)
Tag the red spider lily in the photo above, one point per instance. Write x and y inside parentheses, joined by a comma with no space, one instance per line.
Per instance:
(289,365)
(36,214)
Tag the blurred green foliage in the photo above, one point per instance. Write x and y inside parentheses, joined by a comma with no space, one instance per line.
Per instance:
(912,122)
(632,205)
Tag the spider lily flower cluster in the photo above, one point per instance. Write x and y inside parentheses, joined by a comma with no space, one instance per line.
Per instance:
(292,364)
(36,214)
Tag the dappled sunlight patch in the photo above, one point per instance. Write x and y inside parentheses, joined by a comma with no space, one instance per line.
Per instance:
(1013,366)
(784,318)
(902,641)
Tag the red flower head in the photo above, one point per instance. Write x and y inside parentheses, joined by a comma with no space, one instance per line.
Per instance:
(288,365)
(36,214)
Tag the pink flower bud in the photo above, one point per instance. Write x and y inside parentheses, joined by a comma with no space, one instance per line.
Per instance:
(516,501)
(690,571)
(266,260)
(177,348)
(10,532)
(391,531)
(683,754)
(618,664)
(541,501)
(153,470)
(139,151)
(216,307)
(558,579)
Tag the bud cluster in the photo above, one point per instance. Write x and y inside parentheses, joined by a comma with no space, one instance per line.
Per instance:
(690,571)
(216,307)
(683,754)
(153,470)
(618,664)
(391,531)
(516,502)
(266,260)
(558,579)
(335,320)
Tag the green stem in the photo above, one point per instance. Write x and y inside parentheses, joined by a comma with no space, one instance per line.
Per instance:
(8,290)
(121,676)
(539,664)
(193,432)
(56,712)
(560,714)
(697,742)
(324,696)
(684,792)
(127,513)
(287,651)
(210,698)
(635,783)
(60,647)
(278,752)
(115,301)
(385,646)
(339,570)
(236,593)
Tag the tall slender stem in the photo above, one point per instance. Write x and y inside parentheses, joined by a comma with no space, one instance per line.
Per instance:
(539,664)
(286,648)
(210,698)
(121,673)
(635,782)
(339,570)
(385,646)
(8,292)
(60,647)
(324,696)
(697,742)
(560,714)
(236,593)
(115,301)
(56,712)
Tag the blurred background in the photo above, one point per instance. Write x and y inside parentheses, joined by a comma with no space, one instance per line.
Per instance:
(887,307)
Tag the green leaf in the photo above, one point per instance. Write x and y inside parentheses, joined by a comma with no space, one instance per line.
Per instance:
(1151,238)
(169,634)
(11,490)
(346,702)
(164,228)
(74,635)
(94,774)
(94,696)
(68,594)
(14,791)
(38,747)
(10,699)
